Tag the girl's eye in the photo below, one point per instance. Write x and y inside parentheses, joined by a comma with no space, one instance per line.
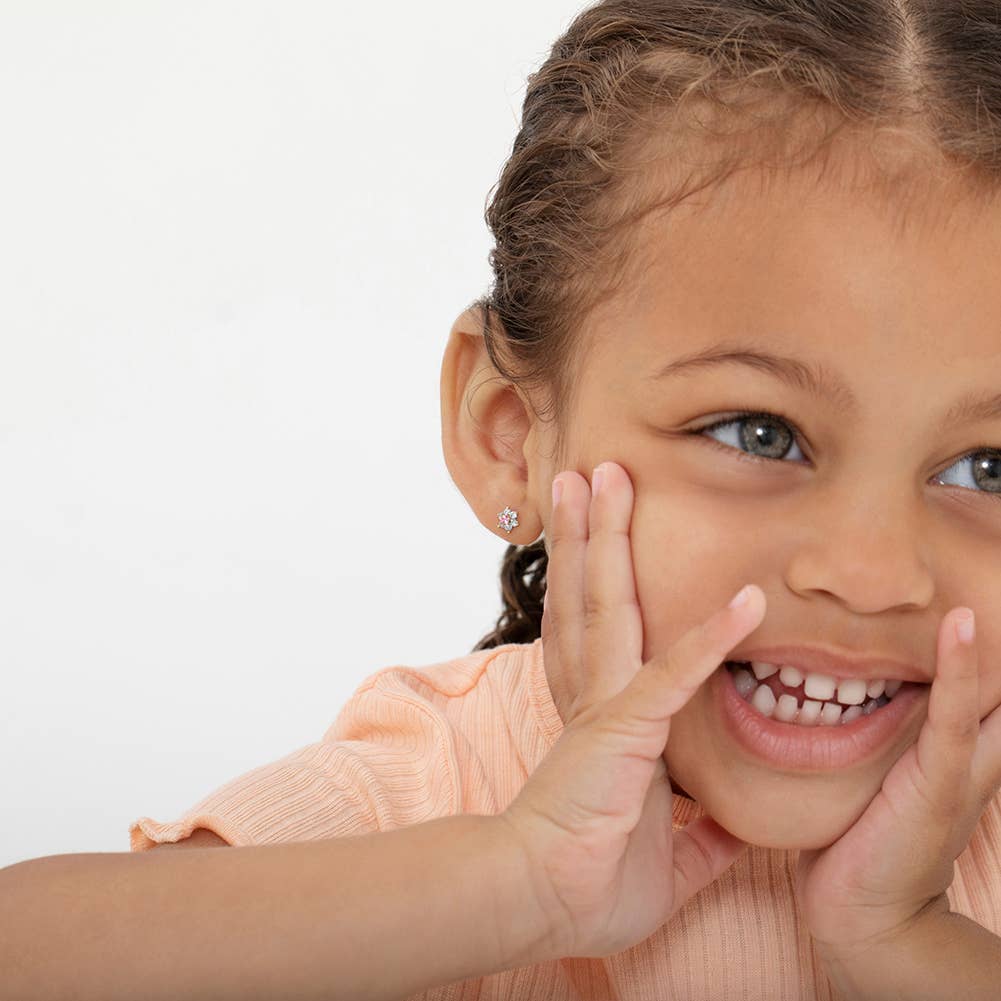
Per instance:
(756,436)
(985,472)
(762,436)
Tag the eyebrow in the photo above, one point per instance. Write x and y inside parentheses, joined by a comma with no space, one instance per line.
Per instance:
(817,380)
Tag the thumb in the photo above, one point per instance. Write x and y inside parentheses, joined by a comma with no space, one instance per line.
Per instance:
(703,851)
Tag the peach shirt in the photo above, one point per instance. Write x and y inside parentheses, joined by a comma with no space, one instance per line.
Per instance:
(462,736)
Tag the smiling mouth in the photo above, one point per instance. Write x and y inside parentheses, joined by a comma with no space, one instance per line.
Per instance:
(805,742)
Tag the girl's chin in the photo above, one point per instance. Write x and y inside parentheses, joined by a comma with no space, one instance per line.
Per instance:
(782,819)
(785,837)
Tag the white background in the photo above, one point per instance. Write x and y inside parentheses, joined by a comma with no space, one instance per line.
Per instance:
(233,239)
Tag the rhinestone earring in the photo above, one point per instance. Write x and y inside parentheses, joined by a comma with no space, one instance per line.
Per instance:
(507,520)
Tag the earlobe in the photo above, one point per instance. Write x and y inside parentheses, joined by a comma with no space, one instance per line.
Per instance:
(484,428)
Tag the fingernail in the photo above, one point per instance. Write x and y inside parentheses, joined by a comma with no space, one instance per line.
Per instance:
(596,477)
(740,598)
(966,628)
(557,491)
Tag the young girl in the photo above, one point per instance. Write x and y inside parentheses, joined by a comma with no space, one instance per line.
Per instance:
(746,324)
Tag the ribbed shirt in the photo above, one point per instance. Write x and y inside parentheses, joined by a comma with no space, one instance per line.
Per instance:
(463,736)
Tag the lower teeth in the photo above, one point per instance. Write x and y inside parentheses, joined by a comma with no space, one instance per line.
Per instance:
(787,710)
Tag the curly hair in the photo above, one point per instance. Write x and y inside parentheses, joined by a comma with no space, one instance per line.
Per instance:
(641,103)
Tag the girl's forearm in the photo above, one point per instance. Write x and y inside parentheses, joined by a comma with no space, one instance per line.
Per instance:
(377,916)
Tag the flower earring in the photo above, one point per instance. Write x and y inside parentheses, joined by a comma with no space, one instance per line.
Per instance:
(507,520)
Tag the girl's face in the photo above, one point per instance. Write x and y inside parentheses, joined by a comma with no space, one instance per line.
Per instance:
(866,524)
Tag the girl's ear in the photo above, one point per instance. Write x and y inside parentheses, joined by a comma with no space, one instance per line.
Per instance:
(487,434)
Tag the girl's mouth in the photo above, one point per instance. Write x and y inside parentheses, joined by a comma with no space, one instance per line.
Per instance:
(783,728)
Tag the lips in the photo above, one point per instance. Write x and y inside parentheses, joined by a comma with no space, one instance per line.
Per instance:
(788,746)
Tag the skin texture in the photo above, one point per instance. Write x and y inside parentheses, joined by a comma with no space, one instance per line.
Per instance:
(851,534)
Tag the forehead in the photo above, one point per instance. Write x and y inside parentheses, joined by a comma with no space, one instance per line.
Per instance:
(901,274)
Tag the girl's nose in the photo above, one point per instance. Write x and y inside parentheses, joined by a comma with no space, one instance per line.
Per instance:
(871,555)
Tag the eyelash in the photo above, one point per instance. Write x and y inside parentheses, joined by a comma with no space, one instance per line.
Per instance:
(797,434)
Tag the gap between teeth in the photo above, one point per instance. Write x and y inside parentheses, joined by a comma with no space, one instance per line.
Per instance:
(787,708)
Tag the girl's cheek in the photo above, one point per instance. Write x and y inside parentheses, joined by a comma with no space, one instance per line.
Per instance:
(687,558)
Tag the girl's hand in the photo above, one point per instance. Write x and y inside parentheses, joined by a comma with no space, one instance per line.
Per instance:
(892,868)
(594,819)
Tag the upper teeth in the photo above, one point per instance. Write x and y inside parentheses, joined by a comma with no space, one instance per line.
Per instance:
(851,691)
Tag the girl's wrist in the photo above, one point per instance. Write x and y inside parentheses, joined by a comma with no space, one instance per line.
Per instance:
(526,931)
